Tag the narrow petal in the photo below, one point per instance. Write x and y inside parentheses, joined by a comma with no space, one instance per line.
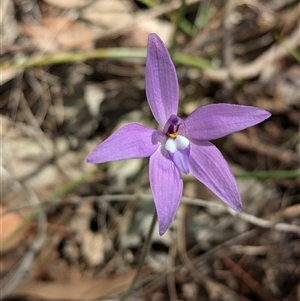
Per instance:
(209,166)
(129,142)
(179,152)
(218,120)
(166,185)
(161,81)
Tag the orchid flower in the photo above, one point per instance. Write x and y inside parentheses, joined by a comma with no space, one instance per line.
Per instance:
(180,146)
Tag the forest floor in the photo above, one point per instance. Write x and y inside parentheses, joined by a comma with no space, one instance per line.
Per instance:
(72,72)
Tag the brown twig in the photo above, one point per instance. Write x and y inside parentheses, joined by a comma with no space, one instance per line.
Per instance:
(202,259)
(170,267)
(257,221)
(253,69)
(254,144)
(248,279)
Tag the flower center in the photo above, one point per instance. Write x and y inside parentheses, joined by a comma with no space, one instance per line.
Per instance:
(177,146)
(173,135)
(172,126)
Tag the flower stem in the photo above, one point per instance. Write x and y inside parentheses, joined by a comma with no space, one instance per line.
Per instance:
(179,18)
(142,259)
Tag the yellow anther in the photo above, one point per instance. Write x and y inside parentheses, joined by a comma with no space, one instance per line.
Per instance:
(174,135)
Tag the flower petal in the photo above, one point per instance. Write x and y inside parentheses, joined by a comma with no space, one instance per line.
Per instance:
(179,152)
(209,166)
(166,185)
(129,142)
(218,120)
(161,81)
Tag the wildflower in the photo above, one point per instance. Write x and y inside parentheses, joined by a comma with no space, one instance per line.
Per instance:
(181,145)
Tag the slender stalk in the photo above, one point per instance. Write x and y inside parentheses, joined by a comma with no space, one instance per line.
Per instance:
(179,17)
(100,53)
(142,259)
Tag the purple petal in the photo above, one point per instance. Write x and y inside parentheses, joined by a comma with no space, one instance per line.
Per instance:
(166,185)
(209,167)
(161,81)
(181,159)
(129,142)
(218,120)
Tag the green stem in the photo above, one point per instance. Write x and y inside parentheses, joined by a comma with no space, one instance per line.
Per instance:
(179,17)
(142,259)
(101,53)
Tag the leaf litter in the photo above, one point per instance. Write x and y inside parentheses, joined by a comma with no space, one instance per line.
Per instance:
(53,116)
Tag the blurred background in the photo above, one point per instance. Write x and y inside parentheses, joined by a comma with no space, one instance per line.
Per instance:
(72,72)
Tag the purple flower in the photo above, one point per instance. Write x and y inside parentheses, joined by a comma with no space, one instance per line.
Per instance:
(181,145)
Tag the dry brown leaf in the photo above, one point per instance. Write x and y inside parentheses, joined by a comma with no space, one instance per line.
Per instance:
(8,224)
(68,32)
(108,14)
(81,290)
(61,33)
(139,36)
(93,248)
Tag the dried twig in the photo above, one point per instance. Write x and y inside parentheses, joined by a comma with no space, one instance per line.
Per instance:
(260,222)
(202,259)
(250,281)
(171,282)
(253,69)
(254,144)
